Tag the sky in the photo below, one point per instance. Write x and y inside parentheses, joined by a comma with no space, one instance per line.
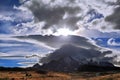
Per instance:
(96,23)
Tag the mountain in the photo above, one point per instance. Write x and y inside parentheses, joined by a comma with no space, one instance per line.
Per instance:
(60,65)
(70,58)
(72,51)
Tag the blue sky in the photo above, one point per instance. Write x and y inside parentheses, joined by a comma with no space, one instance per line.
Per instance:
(9,20)
(24,17)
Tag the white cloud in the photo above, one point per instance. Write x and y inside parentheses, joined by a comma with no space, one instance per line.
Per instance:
(16,16)
(9,44)
(5,18)
(95,33)
(4,54)
(29,41)
(11,20)
(112,42)
(27,63)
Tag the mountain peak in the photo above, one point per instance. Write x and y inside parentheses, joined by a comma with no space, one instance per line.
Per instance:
(70,57)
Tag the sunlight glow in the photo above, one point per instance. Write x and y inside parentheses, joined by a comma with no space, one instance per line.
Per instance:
(64,32)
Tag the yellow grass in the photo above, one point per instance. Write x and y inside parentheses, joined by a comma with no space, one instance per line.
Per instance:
(21,75)
(33,76)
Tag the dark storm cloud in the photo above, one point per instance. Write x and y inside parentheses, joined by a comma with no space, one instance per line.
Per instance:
(53,14)
(58,41)
(72,14)
(115,17)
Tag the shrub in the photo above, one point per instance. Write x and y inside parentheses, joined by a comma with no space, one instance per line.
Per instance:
(4,78)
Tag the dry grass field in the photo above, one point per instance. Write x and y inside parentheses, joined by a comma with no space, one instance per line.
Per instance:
(33,75)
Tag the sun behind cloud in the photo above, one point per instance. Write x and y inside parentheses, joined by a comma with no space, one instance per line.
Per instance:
(64,32)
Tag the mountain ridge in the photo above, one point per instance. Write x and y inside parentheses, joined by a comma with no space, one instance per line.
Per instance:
(70,58)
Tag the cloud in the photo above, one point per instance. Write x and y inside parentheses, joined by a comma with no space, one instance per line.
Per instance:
(11,48)
(46,17)
(28,63)
(94,33)
(58,41)
(13,21)
(54,12)
(115,16)
(17,51)
(74,15)
(6,18)
(113,42)
(18,15)
(9,45)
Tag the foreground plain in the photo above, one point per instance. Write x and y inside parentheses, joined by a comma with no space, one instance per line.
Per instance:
(34,75)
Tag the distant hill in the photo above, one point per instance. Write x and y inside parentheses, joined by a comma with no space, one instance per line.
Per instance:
(15,69)
(97,68)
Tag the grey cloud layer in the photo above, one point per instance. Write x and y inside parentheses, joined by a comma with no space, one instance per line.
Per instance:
(70,13)
(58,41)
(56,13)
(115,17)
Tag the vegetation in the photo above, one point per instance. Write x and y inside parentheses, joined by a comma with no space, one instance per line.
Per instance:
(32,74)
(4,78)
(15,69)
